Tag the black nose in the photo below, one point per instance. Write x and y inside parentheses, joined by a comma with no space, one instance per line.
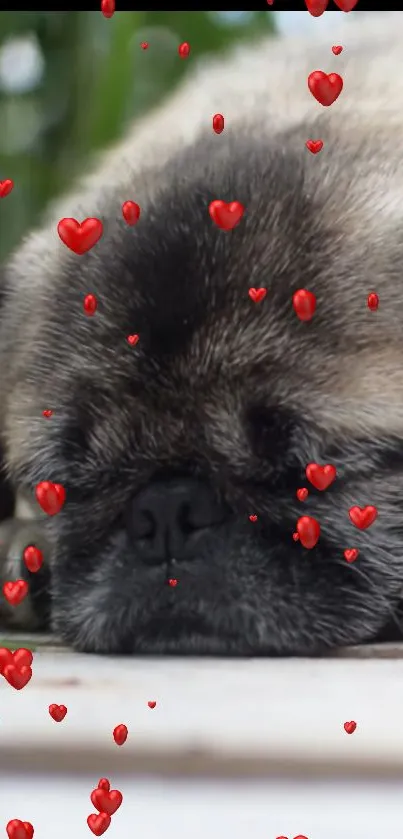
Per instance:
(168,517)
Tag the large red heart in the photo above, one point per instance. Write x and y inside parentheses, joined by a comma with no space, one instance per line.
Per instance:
(16,829)
(50,497)
(320,476)
(325,87)
(106,802)
(80,237)
(15,591)
(363,517)
(17,677)
(308,530)
(98,823)
(226,215)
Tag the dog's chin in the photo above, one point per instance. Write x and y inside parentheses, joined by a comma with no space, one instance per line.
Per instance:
(247,604)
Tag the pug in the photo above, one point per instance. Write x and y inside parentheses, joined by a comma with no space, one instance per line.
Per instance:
(187,410)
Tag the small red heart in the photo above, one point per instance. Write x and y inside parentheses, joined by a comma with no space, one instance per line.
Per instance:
(6,187)
(103,783)
(314,146)
(257,294)
(33,558)
(337,49)
(363,517)
(302,494)
(349,727)
(326,88)
(120,734)
(253,518)
(350,554)
(346,5)
(90,304)
(308,530)
(144,45)
(226,215)
(184,49)
(47,413)
(21,657)
(105,801)
(57,712)
(304,303)
(151,704)
(98,823)
(17,829)
(50,497)
(316,7)
(133,339)
(295,537)
(80,237)
(172,582)
(373,301)
(218,123)
(15,591)
(320,476)
(17,677)
(108,8)
(130,212)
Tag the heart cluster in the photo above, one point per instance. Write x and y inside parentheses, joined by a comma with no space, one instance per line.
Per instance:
(106,801)
(15,666)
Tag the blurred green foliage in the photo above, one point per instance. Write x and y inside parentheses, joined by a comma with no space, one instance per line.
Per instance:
(71,81)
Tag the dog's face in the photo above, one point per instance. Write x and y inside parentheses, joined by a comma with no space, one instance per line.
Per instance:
(168,447)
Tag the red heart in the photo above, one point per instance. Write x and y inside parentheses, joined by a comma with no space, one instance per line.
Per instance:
(316,7)
(350,554)
(218,123)
(17,677)
(253,518)
(90,304)
(50,497)
(151,704)
(80,237)
(120,734)
(337,50)
(105,801)
(184,49)
(108,8)
(226,215)
(172,582)
(6,187)
(363,517)
(57,712)
(320,476)
(33,558)
(346,5)
(325,87)
(257,294)
(14,592)
(302,494)
(295,537)
(103,783)
(304,303)
(308,530)
(314,146)
(133,339)
(144,45)
(349,727)
(131,212)
(17,829)
(47,413)
(372,302)
(98,823)
(20,657)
